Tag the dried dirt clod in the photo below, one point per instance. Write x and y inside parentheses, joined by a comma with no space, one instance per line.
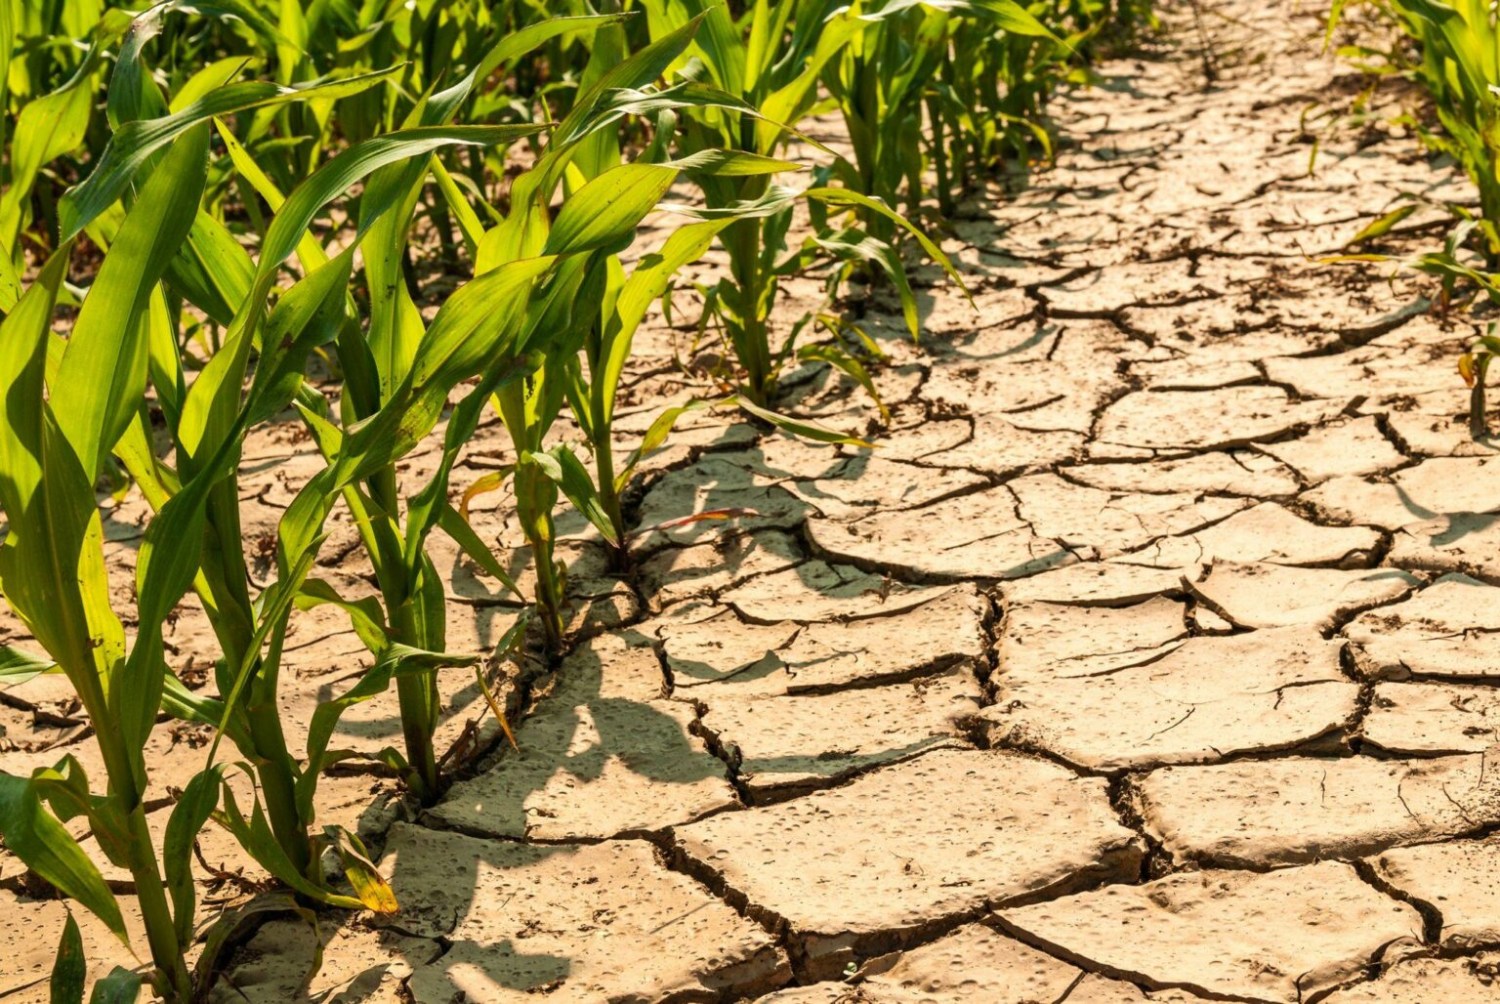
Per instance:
(819,591)
(594,922)
(785,745)
(1423,719)
(975,536)
(1473,980)
(1040,642)
(1352,447)
(1097,584)
(1457,879)
(1443,486)
(999,446)
(861,484)
(869,867)
(680,573)
(1468,543)
(716,483)
(1096,989)
(1227,472)
(1442,631)
(1098,523)
(604,754)
(974,963)
(1263,595)
(1268,532)
(1210,697)
(1441,429)
(1279,936)
(1210,419)
(712,648)
(1258,814)
(28,944)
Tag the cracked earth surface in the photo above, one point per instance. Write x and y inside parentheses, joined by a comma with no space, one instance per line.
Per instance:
(1146,660)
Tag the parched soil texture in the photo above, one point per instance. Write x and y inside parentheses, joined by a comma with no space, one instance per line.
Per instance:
(1150,657)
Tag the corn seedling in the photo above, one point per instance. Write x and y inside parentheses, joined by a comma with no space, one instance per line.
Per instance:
(759,91)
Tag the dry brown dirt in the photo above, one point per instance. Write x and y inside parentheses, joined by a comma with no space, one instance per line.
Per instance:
(1148,658)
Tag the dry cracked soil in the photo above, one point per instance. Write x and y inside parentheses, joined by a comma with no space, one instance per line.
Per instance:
(1147,659)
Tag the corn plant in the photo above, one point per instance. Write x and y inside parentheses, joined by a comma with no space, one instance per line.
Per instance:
(374,360)
(936,57)
(1474,367)
(1459,65)
(761,77)
(67,403)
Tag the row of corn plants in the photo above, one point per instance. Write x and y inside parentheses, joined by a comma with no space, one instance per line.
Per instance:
(1452,51)
(206,202)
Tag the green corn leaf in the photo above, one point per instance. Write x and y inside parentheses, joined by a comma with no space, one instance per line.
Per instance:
(563,467)
(212,270)
(1383,225)
(455,526)
(17,666)
(515,45)
(848,197)
(51,565)
(366,615)
(394,661)
(193,809)
(645,66)
(121,986)
(103,373)
(847,364)
(645,285)
(135,141)
(70,968)
(46,129)
(256,837)
(603,214)
(656,435)
(36,837)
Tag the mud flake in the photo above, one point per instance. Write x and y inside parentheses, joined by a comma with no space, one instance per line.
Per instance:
(1467,543)
(1230,416)
(604,754)
(1233,472)
(868,867)
(1422,719)
(710,484)
(678,573)
(596,921)
(819,591)
(1211,697)
(1103,524)
(282,963)
(1041,642)
(723,655)
(1261,814)
(784,745)
(1418,981)
(1349,448)
(861,484)
(1261,595)
(1458,879)
(1265,533)
(1443,631)
(1096,583)
(973,963)
(975,536)
(1259,937)
(1434,488)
